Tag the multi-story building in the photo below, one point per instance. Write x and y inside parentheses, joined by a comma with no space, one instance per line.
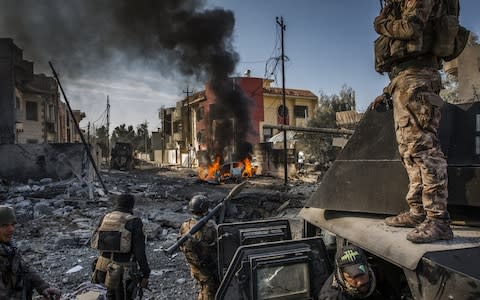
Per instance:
(30,107)
(193,121)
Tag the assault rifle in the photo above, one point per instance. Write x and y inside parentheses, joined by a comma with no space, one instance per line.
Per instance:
(204,220)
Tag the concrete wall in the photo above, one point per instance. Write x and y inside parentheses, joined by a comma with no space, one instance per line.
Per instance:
(469,73)
(21,162)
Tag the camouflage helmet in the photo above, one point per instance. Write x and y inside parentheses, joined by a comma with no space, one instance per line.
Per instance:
(198,204)
(7,215)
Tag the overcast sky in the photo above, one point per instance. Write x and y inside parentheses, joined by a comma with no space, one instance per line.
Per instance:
(328,44)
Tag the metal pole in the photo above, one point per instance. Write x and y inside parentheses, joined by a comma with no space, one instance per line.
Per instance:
(89,154)
(108,131)
(311,129)
(284,110)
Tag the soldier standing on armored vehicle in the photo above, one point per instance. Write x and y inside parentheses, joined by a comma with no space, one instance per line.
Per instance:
(18,280)
(200,250)
(120,238)
(405,50)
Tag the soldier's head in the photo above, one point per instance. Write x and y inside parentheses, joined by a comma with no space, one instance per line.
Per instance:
(125,202)
(352,267)
(198,205)
(7,223)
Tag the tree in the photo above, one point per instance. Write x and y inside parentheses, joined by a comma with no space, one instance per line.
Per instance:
(101,135)
(142,139)
(123,134)
(449,93)
(319,146)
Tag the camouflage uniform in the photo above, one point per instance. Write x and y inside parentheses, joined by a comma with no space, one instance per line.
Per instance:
(201,255)
(18,280)
(415,85)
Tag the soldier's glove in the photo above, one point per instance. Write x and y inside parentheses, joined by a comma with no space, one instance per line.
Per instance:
(52,293)
(143,283)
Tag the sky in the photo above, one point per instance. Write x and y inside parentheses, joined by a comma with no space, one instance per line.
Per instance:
(328,44)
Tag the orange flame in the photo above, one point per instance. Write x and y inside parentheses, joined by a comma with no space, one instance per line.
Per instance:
(216,171)
(247,170)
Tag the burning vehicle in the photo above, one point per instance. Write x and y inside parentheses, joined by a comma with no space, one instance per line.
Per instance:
(218,172)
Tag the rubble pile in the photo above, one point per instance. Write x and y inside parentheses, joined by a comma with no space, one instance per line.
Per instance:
(56,220)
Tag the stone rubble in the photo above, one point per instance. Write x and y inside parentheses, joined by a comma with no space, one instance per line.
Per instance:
(56,220)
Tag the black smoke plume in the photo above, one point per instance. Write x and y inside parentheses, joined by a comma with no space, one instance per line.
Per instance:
(172,36)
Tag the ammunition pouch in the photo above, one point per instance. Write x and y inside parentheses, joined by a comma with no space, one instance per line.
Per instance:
(114,275)
(110,273)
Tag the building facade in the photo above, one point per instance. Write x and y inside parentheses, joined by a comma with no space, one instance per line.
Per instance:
(466,68)
(192,122)
(30,107)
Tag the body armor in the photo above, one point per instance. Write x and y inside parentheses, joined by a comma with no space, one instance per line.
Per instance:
(112,236)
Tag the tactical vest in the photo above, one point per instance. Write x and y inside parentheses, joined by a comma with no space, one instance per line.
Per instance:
(198,253)
(112,236)
(390,51)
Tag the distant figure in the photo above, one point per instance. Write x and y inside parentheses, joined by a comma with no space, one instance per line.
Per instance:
(191,155)
(18,279)
(352,278)
(301,160)
(404,50)
(201,250)
(120,239)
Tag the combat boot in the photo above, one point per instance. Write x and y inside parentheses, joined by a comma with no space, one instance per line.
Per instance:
(431,230)
(406,219)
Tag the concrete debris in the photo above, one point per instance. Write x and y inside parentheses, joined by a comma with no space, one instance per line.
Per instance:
(75,269)
(56,220)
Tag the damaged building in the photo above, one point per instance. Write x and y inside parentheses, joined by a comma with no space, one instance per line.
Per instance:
(201,122)
(35,125)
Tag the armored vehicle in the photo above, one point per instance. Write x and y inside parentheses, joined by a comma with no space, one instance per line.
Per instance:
(122,156)
(366,183)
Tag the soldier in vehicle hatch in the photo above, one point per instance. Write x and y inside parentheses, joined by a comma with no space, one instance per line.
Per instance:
(18,280)
(405,50)
(120,239)
(201,249)
(352,278)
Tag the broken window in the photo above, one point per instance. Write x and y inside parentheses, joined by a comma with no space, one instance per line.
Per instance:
(32,111)
(177,126)
(199,113)
(301,111)
(267,134)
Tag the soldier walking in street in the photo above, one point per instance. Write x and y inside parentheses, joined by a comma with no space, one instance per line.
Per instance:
(405,50)
(18,279)
(119,238)
(201,249)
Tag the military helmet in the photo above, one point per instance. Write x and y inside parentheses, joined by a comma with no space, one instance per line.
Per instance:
(7,215)
(198,204)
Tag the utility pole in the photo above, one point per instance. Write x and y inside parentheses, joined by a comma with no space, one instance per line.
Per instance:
(88,134)
(189,128)
(145,135)
(108,131)
(284,110)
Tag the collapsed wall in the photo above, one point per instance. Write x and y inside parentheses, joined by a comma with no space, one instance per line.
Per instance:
(20,162)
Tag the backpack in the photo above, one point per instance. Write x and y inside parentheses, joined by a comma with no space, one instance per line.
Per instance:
(450,37)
